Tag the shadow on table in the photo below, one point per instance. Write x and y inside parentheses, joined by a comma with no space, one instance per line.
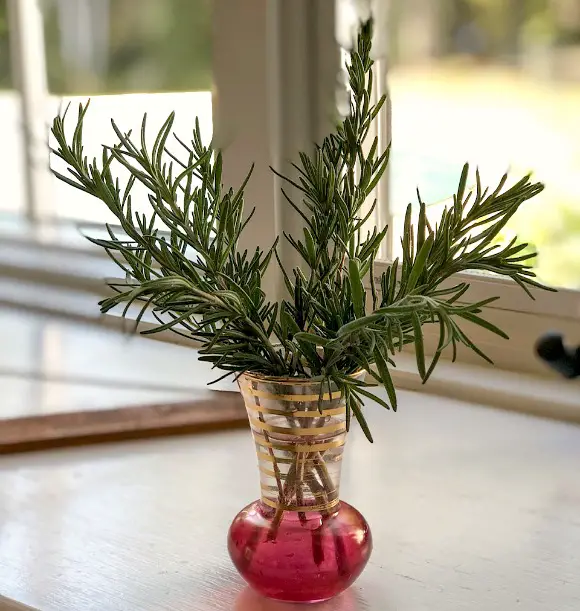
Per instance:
(248,600)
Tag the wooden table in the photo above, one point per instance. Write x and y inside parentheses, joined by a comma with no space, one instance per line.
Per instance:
(471,509)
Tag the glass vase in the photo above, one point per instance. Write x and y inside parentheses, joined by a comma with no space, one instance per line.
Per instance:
(298,542)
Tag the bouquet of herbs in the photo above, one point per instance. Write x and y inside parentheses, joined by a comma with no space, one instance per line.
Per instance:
(327,327)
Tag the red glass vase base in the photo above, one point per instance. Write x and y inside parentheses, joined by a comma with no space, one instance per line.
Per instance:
(297,557)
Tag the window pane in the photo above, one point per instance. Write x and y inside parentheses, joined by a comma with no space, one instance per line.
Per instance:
(119,46)
(131,57)
(495,83)
(11,153)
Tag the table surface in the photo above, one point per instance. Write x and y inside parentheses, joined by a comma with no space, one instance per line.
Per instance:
(471,509)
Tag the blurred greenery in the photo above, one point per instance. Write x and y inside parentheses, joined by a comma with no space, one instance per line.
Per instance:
(5,76)
(503,79)
(153,45)
(489,29)
(555,236)
(165,45)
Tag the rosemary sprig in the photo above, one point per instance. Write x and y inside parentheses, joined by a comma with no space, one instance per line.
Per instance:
(197,283)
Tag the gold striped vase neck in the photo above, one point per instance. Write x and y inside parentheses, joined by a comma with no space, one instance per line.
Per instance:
(299,433)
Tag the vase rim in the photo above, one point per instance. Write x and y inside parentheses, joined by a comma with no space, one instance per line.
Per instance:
(296,381)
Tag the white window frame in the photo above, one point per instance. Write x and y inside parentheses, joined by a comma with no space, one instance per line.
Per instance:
(275,64)
(27,52)
(275,92)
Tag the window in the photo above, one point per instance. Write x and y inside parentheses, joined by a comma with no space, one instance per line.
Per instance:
(130,62)
(168,55)
(105,49)
(497,84)
(272,78)
(265,75)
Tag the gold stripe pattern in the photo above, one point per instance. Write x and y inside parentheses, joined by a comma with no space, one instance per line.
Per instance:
(269,489)
(301,508)
(262,380)
(299,431)
(313,413)
(299,435)
(315,447)
(328,458)
(292,398)
(283,477)
(283,474)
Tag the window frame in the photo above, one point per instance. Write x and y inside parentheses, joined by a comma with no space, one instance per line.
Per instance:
(525,320)
(272,98)
(282,104)
(28,63)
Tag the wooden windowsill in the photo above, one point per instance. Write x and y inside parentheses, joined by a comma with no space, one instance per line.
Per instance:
(11,605)
(547,397)
(213,411)
(66,383)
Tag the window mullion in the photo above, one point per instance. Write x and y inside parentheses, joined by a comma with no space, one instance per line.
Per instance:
(275,67)
(384,215)
(29,70)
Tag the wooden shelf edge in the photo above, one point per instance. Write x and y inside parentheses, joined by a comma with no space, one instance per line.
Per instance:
(219,410)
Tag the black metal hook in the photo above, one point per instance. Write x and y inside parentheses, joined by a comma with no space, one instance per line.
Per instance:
(566,361)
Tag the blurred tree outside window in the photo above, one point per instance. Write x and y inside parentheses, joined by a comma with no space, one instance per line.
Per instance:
(126,46)
(5,72)
(131,57)
(492,82)
(495,83)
